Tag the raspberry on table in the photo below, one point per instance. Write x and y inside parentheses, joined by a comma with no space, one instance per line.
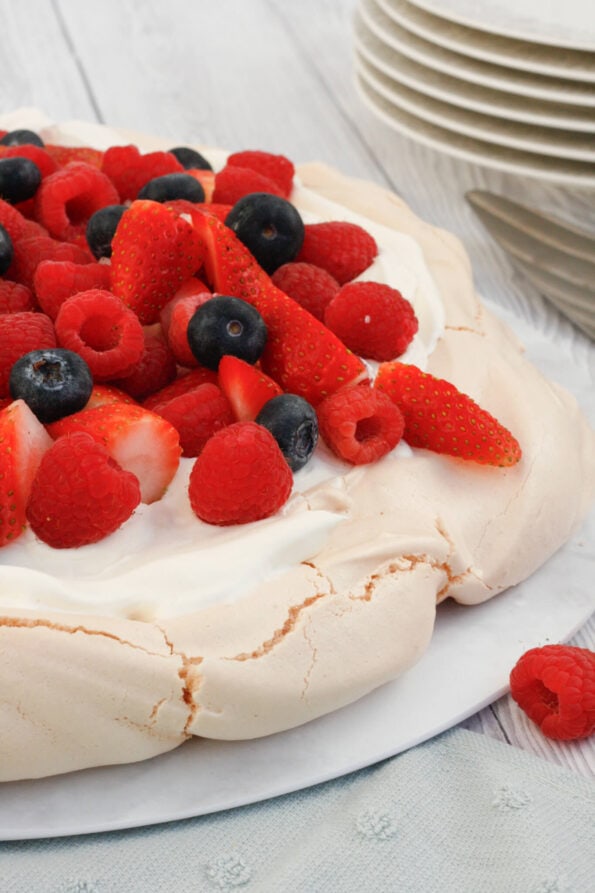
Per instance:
(555,686)
(310,286)
(343,249)
(360,424)
(68,198)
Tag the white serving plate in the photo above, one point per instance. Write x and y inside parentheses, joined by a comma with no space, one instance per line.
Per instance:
(569,24)
(479,646)
(465,94)
(518,54)
(563,172)
(475,71)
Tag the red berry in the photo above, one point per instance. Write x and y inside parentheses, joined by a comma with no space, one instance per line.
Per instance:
(129,171)
(240,476)
(15,298)
(12,220)
(277,168)
(197,415)
(69,197)
(188,382)
(343,249)
(232,183)
(29,253)
(155,369)
(106,393)
(310,286)
(36,154)
(359,424)
(96,325)
(63,155)
(20,333)
(373,320)
(555,686)
(56,280)
(246,387)
(179,312)
(80,494)
(441,418)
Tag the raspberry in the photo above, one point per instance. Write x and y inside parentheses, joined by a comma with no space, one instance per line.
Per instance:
(232,183)
(188,382)
(240,476)
(155,369)
(62,155)
(197,415)
(36,154)
(15,298)
(343,249)
(373,320)
(20,333)
(555,686)
(68,198)
(103,331)
(129,170)
(56,280)
(277,168)
(12,220)
(357,426)
(80,494)
(310,286)
(28,254)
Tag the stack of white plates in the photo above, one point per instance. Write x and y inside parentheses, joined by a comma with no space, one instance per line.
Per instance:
(509,84)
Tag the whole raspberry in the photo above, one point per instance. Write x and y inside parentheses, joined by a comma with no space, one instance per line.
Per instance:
(343,249)
(12,220)
(69,197)
(103,331)
(29,253)
(129,170)
(197,415)
(373,320)
(15,298)
(240,476)
(233,183)
(79,494)
(155,369)
(359,427)
(310,286)
(36,154)
(56,280)
(62,155)
(277,168)
(20,333)
(555,686)
(186,382)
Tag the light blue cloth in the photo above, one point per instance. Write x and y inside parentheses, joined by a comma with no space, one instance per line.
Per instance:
(462,813)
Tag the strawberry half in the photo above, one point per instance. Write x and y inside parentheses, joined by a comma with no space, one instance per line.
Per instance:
(154,251)
(246,387)
(301,354)
(139,441)
(23,441)
(441,418)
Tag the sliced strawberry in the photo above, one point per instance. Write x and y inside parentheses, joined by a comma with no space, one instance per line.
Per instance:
(183,384)
(206,180)
(176,315)
(246,387)
(107,393)
(23,441)
(301,354)
(139,441)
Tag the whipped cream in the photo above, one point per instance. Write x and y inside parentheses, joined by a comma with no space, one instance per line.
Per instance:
(164,562)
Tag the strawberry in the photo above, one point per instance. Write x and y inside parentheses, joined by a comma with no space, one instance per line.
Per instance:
(206,179)
(342,249)
(107,393)
(23,441)
(176,315)
(153,252)
(138,440)
(301,354)
(188,382)
(246,387)
(441,418)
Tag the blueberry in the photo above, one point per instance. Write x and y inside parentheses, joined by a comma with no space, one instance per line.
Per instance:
(269,226)
(19,179)
(21,138)
(53,382)
(190,158)
(169,187)
(101,228)
(293,423)
(6,250)
(226,325)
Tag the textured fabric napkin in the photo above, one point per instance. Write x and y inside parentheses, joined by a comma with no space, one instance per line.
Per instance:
(460,813)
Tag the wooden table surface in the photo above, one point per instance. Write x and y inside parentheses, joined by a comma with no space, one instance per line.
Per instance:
(279,76)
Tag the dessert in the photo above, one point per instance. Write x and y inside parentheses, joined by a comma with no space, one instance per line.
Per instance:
(171,627)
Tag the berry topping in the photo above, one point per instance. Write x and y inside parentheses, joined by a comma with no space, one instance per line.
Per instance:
(98,326)
(52,382)
(19,179)
(170,187)
(63,155)
(360,425)
(12,220)
(441,418)
(56,280)
(101,227)
(79,494)
(153,252)
(226,325)
(310,286)
(293,423)
(23,441)
(155,369)
(269,226)
(20,333)
(197,415)
(176,315)
(140,441)
(301,354)
(187,382)
(246,387)
(343,249)
(191,159)
(69,197)
(232,183)
(240,476)
(277,168)
(373,320)
(129,170)
(555,686)
(14,297)
(21,137)
(6,250)
(29,252)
